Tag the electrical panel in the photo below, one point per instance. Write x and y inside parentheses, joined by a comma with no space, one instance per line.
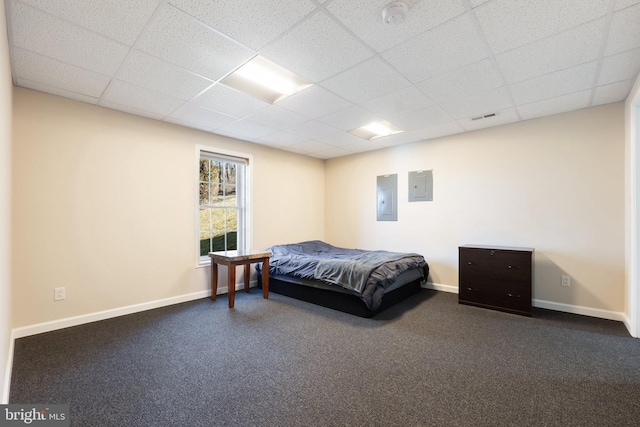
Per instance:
(421,186)
(387,198)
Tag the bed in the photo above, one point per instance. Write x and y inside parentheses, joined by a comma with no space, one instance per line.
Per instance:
(355,281)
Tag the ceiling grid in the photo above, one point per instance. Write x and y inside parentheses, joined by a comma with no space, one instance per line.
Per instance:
(449,62)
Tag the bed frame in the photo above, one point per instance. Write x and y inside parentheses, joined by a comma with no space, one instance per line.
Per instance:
(340,301)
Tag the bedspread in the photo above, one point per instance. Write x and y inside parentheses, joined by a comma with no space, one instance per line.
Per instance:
(365,273)
(354,272)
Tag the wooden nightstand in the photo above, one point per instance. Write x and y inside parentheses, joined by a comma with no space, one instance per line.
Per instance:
(232,259)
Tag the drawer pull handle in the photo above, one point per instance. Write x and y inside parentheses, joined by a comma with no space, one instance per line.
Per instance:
(469,289)
(469,263)
(510,267)
(512,295)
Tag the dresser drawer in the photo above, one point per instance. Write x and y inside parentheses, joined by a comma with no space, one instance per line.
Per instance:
(497,264)
(518,303)
(495,286)
(497,293)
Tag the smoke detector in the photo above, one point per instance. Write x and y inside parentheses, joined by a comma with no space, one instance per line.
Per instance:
(394,13)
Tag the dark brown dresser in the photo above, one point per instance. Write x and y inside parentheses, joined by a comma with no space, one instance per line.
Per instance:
(495,277)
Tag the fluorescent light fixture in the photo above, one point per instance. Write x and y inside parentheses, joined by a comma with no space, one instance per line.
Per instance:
(265,80)
(376,130)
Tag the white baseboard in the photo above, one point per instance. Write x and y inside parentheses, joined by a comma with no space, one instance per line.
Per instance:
(53,325)
(627,324)
(4,398)
(440,287)
(116,312)
(550,305)
(576,309)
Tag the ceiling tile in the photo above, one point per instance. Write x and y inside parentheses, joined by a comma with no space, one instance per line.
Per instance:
(475,78)
(503,117)
(310,50)
(155,74)
(314,102)
(207,119)
(123,93)
(614,92)
(508,24)
(437,131)
(55,74)
(397,139)
(310,146)
(625,31)
(344,139)
(621,4)
(189,125)
(277,118)
(253,23)
(622,66)
(367,80)
(119,20)
(476,3)
(177,38)
(350,118)
(401,101)
(331,153)
(412,120)
(130,110)
(56,91)
(245,129)
(555,84)
(362,146)
(479,104)
(280,139)
(564,50)
(364,18)
(312,129)
(437,51)
(228,101)
(47,35)
(560,104)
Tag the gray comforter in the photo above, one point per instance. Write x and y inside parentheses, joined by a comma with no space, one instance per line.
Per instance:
(364,273)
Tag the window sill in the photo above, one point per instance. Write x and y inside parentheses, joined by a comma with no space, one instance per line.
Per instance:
(204,263)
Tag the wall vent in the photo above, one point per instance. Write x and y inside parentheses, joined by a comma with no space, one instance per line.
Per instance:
(486,116)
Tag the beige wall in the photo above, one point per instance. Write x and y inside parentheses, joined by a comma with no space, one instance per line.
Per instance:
(105,205)
(5,203)
(555,184)
(102,204)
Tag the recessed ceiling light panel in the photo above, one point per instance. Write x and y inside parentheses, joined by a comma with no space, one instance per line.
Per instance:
(265,80)
(376,130)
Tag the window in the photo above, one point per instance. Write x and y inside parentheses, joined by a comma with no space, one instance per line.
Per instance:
(222,203)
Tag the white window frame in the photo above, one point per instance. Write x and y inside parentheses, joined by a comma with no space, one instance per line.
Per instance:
(244,186)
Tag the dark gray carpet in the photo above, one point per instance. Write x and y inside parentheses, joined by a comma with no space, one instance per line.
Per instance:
(425,362)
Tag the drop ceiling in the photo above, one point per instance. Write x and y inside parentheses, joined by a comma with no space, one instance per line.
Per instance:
(449,63)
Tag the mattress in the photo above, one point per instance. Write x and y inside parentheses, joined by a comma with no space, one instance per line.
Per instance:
(367,275)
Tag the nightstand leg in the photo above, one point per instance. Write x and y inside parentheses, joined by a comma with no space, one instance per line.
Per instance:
(265,278)
(214,280)
(247,273)
(232,285)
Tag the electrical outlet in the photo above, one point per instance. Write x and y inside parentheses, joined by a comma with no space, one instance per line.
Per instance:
(58,294)
(566,281)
